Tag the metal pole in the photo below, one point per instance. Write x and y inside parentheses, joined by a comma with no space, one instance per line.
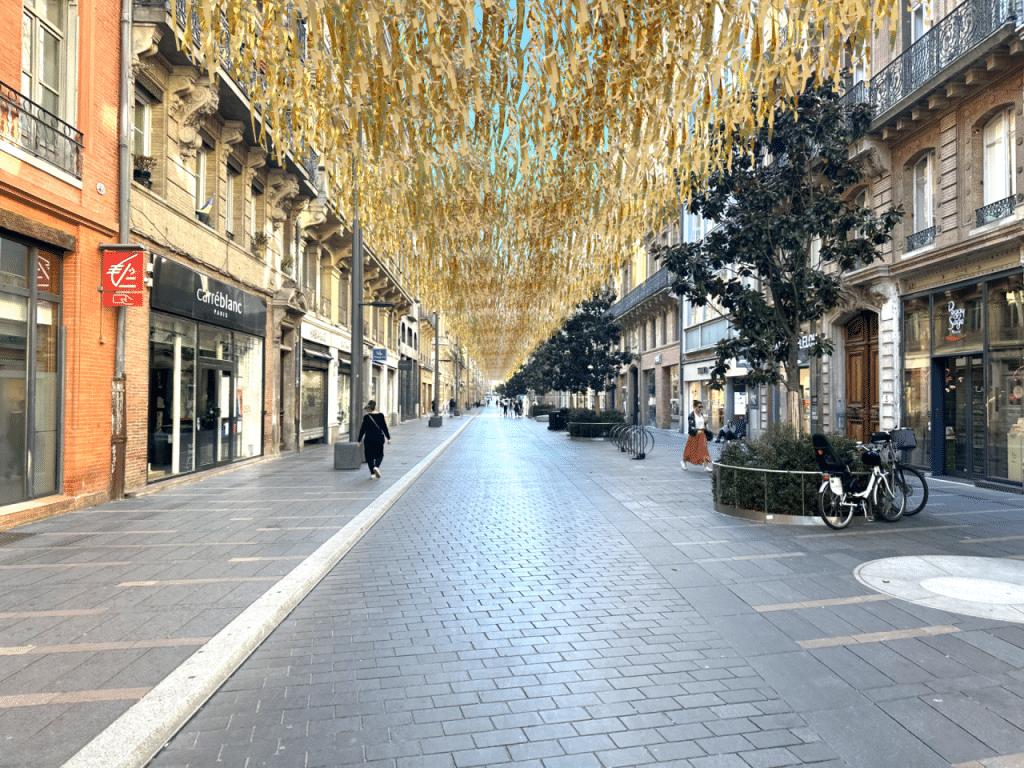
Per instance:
(435,420)
(356,381)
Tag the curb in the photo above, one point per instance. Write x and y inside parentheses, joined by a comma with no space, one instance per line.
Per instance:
(135,737)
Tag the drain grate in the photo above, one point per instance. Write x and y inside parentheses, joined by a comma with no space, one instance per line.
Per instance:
(9,537)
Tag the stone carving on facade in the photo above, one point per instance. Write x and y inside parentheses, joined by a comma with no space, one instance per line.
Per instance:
(290,305)
(871,157)
(853,298)
(282,189)
(233,132)
(256,159)
(145,41)
(194,97)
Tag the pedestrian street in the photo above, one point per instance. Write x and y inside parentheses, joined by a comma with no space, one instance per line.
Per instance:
(537,601)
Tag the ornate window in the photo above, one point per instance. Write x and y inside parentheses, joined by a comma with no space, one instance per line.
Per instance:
(44,55)
(999,141)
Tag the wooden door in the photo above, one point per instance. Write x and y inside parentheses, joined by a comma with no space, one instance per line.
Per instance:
(862,376)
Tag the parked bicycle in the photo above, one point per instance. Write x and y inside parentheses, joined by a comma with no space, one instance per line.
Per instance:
(910,482)
(841,495)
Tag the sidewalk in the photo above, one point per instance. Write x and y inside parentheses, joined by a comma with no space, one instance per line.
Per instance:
(101,605)
(541,602)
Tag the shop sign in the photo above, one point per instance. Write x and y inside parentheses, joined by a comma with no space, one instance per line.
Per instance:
(178,289)
(315,333)
(380,355)
(123,278)
(957,317)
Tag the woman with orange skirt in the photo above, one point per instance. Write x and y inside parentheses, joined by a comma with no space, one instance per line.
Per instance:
(696,450)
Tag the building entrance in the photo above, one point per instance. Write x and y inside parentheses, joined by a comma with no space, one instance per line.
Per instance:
(216,412)
(963,415)
(861,336)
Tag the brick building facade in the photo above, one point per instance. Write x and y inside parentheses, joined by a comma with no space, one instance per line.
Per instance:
(58,203)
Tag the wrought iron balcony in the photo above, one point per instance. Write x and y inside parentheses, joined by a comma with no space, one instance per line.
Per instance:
(921,239)
(951,38)
(179,13)
(656,283)
(1000,209)
(30,127)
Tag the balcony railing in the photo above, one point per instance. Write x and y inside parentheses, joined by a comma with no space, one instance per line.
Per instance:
(179,12)
(1000,209)
(921,239)
(657,282)
(27,125)
(953,36)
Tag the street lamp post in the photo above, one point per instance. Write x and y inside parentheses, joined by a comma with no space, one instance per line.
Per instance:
(436,420)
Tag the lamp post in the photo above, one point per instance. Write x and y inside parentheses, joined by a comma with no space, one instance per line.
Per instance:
(436,420)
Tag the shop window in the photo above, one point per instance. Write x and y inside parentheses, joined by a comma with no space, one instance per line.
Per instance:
(31,371)
(957,323)
(1006,378)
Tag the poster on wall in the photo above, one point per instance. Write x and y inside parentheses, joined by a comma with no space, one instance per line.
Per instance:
(739,403)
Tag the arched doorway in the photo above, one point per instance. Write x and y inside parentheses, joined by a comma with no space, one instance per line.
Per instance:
(861,346)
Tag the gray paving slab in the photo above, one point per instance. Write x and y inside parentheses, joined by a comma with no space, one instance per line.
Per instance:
(530,600)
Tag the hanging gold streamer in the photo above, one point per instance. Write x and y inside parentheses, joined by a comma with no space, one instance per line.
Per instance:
(513,154)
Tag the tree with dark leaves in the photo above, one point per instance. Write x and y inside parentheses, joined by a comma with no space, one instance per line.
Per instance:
(787,230)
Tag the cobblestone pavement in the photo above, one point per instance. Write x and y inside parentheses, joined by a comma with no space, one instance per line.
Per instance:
(547,603)
(99,606)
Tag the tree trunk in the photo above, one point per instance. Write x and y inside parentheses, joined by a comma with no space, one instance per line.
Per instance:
(794,409)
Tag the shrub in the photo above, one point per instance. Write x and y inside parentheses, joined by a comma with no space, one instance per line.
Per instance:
(780,448)
(542,408)
(583,422)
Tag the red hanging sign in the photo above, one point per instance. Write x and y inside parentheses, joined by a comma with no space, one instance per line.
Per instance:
(119,299)
(123,272)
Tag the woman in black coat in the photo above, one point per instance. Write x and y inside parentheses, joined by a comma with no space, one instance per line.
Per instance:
(375,431)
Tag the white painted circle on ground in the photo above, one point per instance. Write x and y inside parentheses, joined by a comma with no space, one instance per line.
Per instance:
(980,590)
(986,587)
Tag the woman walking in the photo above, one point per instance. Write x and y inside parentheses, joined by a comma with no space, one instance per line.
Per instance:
(375,431)
(696,450)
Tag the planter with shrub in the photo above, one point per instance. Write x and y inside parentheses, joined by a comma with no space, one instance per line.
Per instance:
(773,474)
(583,422)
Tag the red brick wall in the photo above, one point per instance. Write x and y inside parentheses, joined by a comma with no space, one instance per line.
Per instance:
(91,217)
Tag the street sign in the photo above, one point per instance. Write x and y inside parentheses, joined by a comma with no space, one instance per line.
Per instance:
(122,299)
(123,272)
(380,355)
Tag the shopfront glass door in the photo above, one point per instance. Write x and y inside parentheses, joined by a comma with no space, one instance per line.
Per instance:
(963,415)
(215,413)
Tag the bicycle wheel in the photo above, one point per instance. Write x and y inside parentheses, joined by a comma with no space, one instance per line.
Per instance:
(835,514)
(915,489)
(888,503)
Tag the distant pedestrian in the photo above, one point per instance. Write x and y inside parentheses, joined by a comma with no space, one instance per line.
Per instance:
(504,407)
(696,450)
(451,406)
(372,434)
(519,409)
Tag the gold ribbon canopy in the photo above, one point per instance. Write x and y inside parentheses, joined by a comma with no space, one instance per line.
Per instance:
(511,155)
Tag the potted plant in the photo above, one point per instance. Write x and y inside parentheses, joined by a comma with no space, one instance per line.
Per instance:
(142,171)
(259,242)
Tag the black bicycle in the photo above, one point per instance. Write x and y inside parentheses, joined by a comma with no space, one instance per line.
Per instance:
(909,482)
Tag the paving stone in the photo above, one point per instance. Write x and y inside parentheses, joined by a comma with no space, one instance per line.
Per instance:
(519,605)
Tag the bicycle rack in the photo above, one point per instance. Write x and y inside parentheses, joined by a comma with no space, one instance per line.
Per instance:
(635,440)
